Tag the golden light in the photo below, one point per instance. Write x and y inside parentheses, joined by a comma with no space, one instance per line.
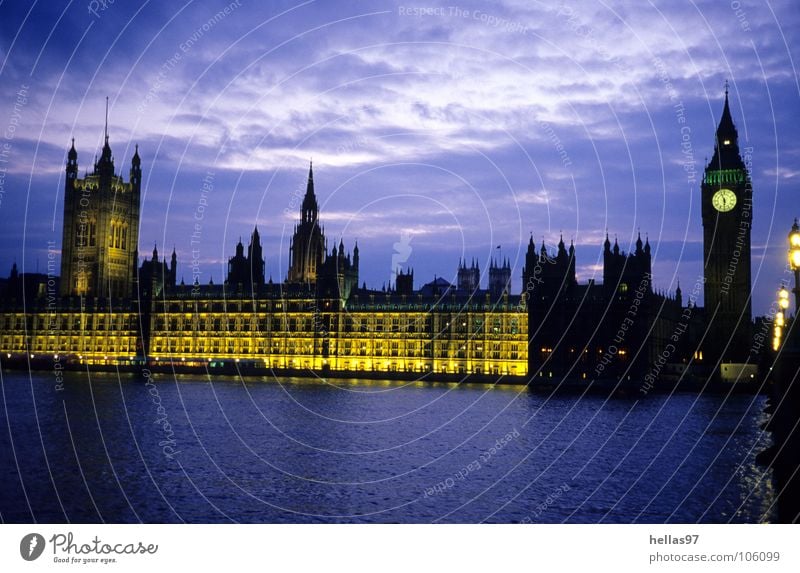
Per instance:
(783,298)
(779,319)
(794,237)
(794,246)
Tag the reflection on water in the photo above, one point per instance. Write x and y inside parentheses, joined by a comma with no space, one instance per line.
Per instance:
(118,449)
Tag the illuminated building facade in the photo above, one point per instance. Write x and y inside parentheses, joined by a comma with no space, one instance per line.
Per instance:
(320,319)
(101,228)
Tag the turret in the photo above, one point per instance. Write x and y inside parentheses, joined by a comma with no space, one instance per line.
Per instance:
(136,169)
(173,267)
(72,163)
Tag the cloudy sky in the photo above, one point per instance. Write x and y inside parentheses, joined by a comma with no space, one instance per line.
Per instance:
(437,130)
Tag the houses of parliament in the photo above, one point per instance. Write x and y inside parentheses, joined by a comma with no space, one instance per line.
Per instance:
(109,308)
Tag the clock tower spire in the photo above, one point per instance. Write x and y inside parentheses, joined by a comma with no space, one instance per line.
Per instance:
(727,210)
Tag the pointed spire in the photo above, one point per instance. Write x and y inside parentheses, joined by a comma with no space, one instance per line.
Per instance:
(310,206)
(727,136)
(106,127)
(72,155)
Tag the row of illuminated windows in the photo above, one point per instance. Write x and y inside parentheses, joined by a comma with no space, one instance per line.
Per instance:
(444,325)
(72,345)
(238,306)
(188,345)
(70,322)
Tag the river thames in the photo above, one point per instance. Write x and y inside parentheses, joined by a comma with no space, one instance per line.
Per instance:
(128,448)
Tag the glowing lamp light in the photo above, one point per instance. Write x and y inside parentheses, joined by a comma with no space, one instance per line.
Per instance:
(794,236)
(783,298)
(794,259)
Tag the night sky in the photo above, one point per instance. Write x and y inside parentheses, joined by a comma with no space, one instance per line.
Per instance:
(437,131)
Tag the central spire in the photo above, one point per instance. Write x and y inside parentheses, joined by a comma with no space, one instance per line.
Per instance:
(310,206)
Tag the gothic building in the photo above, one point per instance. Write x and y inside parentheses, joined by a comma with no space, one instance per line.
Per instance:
(246,272)
(726,197)
(469,278)
(319,318)
(499,277)
(338,274)
(155,277)
(307,247)
(101,228)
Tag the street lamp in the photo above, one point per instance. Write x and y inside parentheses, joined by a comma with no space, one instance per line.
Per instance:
(783,298)
(780,318)
(794,262)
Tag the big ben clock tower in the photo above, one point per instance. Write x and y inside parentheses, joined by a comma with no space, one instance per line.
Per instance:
(727,207)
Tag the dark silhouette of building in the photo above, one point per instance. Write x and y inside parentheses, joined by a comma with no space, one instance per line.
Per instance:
(404,282)
(499,277)
(338,275)
(726,196)
(155,277)
(469,278)
(247,272)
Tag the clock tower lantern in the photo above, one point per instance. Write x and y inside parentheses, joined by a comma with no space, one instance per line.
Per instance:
(727,210)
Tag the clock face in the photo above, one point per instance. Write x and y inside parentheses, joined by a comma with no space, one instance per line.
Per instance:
(724,200)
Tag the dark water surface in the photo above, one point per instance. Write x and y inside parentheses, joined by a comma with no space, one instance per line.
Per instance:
(308,451)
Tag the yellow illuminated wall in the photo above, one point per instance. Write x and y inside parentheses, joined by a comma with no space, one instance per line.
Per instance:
(299,333)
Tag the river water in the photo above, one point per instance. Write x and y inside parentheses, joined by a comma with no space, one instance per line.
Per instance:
(131,448)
